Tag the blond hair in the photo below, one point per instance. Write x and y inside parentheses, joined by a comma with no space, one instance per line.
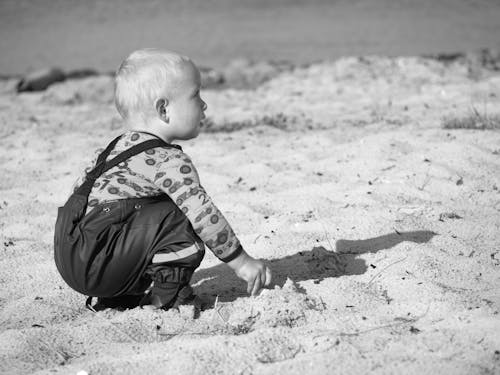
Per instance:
(142,78)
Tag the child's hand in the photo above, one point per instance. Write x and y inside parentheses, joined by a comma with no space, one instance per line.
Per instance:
(253,271)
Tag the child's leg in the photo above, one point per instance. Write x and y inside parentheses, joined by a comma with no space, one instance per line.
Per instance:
(177,252)
(159,232)
(171,274)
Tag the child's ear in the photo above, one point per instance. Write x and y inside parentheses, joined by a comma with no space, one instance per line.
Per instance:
(161,106)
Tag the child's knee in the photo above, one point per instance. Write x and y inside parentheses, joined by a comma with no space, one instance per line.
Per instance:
(188,257)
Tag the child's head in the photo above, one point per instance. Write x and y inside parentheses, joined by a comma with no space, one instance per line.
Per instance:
(162,89)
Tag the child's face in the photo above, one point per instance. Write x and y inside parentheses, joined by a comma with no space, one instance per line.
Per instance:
(186,109)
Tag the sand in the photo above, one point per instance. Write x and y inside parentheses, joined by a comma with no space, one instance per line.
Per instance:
(381,228)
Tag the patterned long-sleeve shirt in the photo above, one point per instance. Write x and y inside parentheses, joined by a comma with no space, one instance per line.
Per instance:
(164,170)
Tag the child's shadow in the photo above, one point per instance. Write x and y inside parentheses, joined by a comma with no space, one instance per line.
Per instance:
(315,264)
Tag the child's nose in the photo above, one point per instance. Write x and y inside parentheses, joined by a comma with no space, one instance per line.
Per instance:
(204,106)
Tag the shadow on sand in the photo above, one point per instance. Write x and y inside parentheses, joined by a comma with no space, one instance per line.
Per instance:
(315,264)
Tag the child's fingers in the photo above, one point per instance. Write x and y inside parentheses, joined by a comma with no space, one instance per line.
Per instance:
(262,279)
(250,286)
(269,277)
(256,286)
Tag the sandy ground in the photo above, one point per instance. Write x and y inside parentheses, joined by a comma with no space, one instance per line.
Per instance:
(381,227)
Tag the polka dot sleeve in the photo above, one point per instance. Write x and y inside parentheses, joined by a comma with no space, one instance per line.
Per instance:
(178,178)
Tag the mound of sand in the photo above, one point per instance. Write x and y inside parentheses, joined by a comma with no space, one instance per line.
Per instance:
(381,227)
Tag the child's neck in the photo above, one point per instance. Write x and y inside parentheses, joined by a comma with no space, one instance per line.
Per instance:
(153,126)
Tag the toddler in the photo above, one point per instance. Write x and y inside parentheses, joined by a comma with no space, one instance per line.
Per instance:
(146,193)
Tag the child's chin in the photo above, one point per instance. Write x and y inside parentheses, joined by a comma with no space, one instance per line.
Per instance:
(191,136)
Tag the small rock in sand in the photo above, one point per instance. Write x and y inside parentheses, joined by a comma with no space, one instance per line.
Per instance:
(40,79)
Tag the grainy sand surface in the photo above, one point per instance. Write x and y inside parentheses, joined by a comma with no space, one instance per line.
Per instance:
(381,227)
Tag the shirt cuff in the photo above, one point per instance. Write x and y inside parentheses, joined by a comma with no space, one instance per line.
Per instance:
(233,255)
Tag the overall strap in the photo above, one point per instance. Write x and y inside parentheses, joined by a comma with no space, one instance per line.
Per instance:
(134,150)
(102,166)
(94,173)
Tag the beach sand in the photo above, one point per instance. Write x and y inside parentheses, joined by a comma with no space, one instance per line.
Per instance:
(381,228)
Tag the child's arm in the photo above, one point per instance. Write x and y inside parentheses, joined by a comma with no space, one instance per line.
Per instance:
(177,176)
(253,271)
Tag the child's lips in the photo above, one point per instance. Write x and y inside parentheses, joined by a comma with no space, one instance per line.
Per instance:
(203,120)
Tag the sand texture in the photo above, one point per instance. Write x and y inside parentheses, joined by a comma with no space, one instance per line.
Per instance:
(381,227)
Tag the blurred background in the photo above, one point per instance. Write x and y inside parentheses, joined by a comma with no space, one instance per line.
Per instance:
(98,34)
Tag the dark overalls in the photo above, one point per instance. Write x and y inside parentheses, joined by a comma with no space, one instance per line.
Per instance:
(119,248)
